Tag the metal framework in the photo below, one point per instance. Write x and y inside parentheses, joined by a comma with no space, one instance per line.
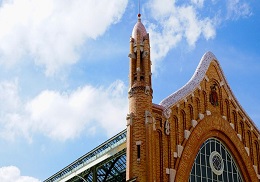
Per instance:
(107,162)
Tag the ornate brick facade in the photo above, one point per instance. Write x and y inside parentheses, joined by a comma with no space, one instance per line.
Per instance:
(164,139)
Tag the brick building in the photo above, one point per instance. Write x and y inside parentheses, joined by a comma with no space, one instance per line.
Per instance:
(198,133)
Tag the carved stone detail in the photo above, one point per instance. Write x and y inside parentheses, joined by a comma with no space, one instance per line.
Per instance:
(148,117)
(129,119)
(167,113)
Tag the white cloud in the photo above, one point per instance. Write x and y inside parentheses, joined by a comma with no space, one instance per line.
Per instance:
(62,116)
(13,174)
(51,32)
(176,23)
(237,9)
(189,20)
(198,3)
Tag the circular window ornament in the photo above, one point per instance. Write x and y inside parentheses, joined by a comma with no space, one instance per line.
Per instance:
(216,163)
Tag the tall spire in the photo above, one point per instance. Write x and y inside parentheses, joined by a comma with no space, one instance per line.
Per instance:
(139,14)
(139,164)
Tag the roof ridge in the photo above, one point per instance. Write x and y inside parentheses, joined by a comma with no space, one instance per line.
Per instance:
(193,83)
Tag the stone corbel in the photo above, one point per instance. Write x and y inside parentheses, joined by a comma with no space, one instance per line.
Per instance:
(194,123)
(147,90)
(232,125)
(201,116)
(144,54)
(130,92)
(129,119)
(186,134)
(179,150)
(172,173)
(132,55)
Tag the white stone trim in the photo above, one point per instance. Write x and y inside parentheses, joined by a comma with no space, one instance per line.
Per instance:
(167,171)
(154,124)
(208,113)
(201,116)
(179,150)
(206,78)
(172,173)
(232,125)
(148,117)
(255,167)
(247,150)
(186,134)
(194,123)
(167,113)
(193,83)
(175,155)
(239,136)
(138,142)
(129,119)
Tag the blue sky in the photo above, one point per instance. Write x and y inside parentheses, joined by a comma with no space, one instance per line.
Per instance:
(64,69)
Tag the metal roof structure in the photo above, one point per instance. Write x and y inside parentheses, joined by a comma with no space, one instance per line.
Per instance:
(107,162)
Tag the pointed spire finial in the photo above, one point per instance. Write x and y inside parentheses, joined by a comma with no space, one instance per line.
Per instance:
(138,6)
(139,14)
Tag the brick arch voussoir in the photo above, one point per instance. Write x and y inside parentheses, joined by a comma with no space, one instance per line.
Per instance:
(214,126)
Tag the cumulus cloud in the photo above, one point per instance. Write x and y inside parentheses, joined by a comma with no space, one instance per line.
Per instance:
(237,9)
(65,115)
(173,22)
(13,174)
(51,32)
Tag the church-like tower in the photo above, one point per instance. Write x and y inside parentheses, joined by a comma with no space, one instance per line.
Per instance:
(139,120)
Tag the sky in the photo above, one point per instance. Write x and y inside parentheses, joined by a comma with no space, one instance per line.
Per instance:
(64,70)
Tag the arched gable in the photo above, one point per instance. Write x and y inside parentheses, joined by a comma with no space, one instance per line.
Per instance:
(208,95)
(214,126)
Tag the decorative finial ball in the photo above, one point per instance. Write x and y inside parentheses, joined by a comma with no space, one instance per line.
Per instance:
(139,15)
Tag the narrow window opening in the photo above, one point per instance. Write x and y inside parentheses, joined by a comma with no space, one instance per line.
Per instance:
(138,152)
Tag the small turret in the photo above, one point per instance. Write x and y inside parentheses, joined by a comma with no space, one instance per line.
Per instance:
(139,119)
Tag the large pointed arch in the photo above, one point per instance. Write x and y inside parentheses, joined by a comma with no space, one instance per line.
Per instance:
(214,162)
(217,127)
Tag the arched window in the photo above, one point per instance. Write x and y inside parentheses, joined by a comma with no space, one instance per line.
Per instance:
(191,112)
(235,120)
(242,132)
(257,156)
(250,146)
(176,130)
(183,119)
(214,163)
(227,110)
(205,102)
(197,110)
